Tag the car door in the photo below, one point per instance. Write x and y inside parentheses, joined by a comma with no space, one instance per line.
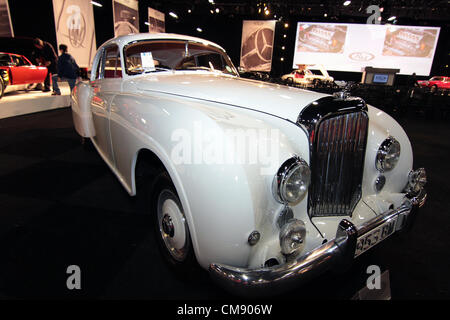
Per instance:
(19,70)
(105,86)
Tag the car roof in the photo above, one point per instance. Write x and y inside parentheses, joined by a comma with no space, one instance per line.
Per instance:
(124,40)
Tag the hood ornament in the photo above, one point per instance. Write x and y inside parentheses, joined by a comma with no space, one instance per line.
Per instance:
(345,93)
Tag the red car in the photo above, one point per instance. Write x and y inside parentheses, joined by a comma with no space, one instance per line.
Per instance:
(17,73)
(437,82)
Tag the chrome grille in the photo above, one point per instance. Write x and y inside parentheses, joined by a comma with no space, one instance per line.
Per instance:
(338,145)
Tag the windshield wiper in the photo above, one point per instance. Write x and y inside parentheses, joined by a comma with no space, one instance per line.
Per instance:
(147,70)
(157,69)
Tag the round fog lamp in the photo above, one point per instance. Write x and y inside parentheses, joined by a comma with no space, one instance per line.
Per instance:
(292,237)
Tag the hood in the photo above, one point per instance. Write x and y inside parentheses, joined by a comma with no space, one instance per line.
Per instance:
(278,100)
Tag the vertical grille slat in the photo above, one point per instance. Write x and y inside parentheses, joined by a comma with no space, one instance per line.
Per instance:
(337,164)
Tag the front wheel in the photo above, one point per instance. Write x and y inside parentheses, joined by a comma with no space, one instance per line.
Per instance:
(172,230)
(289,81)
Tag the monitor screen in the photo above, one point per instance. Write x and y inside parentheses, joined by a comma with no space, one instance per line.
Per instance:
(380,78)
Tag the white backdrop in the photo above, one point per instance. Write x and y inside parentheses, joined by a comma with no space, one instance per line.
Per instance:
(351,47)
(74,24)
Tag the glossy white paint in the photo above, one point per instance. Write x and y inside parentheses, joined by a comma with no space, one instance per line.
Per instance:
(223,203)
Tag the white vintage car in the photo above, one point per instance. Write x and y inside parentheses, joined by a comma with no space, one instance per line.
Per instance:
(306,77)
(265,186)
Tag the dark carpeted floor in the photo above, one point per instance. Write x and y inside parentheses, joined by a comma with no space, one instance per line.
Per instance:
(60,205)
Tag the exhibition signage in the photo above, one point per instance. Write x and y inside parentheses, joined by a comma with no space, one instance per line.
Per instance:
(257,45)
(6,28)
(74,24)
(352,47)
(126,17)
(156,21)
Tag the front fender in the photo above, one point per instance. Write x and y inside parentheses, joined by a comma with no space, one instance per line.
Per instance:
(223,202)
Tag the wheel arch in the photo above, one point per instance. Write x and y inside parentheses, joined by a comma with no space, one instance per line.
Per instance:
(144,158)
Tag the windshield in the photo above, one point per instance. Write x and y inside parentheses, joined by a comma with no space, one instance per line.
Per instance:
(153,56)
(437,79)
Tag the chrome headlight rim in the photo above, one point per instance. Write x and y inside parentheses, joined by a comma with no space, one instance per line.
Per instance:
(385,150)
(286,171)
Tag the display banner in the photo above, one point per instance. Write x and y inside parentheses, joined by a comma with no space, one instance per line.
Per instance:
(156,21)
(352,47)
(126,17)
(74,24)
(6,27)
(257,44)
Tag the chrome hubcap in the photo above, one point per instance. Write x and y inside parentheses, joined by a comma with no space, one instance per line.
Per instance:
(167,226)
(172,225)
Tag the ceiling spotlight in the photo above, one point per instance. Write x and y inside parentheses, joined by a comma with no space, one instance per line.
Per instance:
(211,1)
(189,10)
(325,15)
(282,59)
(286,25)
(96,4)
(212,12)
(392,18)
(283,47)
(346,3)
(199,29)
(267,12)
(217,10)
(284,36)
(173,15)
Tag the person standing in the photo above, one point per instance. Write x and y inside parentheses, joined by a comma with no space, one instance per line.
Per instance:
(45,55)
(67,68)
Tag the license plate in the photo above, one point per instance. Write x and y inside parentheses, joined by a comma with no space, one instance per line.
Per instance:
(375,236)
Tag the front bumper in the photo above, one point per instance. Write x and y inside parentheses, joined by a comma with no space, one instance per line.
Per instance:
(337,253)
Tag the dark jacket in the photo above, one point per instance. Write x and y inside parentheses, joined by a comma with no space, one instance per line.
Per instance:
(47,53)
(67,67)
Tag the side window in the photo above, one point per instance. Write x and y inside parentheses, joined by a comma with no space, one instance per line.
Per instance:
(23,61)
(112,63)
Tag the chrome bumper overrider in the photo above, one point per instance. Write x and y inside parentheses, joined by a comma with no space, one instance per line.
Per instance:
(336,253)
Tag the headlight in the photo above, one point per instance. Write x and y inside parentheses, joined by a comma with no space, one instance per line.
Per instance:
(292,181)
(387,155)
